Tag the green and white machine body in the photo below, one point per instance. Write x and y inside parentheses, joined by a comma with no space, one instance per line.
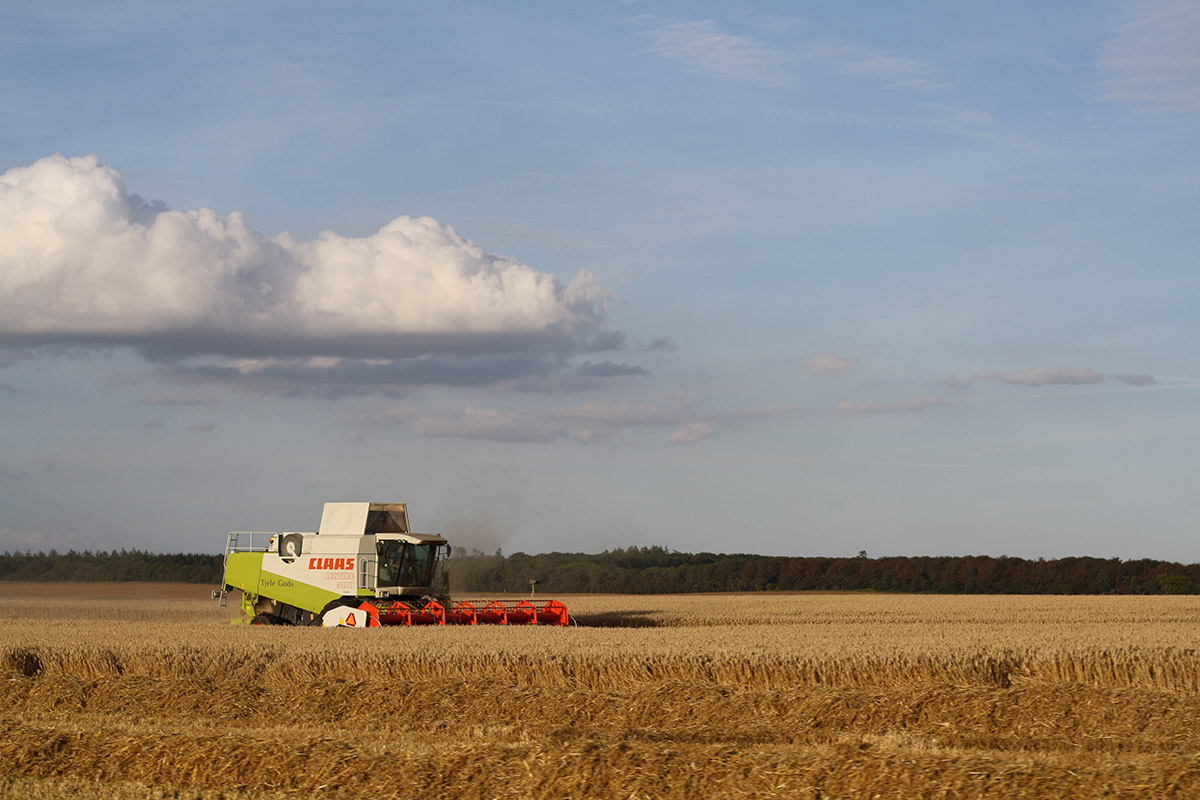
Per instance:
(363,568)
(361,551)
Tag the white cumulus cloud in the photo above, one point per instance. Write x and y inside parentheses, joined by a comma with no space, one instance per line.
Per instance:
(85,262)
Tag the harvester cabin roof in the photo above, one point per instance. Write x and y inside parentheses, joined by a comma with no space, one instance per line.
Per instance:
(356,519)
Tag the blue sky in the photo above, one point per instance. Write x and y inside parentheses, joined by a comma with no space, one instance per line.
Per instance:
(771,278)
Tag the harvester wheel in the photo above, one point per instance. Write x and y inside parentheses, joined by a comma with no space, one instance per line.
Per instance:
(263,619)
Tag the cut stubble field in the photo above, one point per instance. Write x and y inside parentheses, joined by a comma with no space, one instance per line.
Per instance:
(148,691)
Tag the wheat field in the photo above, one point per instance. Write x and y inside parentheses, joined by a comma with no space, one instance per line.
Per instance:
(150,692)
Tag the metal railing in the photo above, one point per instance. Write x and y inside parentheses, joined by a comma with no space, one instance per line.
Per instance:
(234,544)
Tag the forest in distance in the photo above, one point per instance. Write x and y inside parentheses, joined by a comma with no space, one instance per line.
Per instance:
(658,570)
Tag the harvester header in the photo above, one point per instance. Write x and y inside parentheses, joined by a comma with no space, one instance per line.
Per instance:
(363,567)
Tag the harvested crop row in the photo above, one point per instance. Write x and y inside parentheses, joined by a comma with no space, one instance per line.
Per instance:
(448,767)
(285,658)
(1029,718)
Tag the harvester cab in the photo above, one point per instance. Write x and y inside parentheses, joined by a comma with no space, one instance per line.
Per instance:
(363,567)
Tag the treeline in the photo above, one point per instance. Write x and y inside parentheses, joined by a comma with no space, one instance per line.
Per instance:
(118,565)
(655,570)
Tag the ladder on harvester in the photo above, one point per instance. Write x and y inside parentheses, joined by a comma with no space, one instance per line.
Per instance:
(232,545)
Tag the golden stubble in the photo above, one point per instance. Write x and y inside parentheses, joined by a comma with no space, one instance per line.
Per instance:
(762,695)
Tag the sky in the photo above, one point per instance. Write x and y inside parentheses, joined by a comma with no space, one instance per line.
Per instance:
(779,278)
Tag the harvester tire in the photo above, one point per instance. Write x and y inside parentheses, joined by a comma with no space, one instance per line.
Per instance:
(263,619)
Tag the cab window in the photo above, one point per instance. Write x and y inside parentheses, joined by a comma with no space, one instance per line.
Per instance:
(405,564)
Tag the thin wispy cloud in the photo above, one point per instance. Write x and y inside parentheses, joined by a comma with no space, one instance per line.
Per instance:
(1043,376)
(783,58)
(35,540)
(662,344)
(597,422)
(585,424)
(621,413)
(709,425)
(610,369)
(1059,377)
(498,426)
(1050,376)
(829,365)
(176,400)
(756,413)
(1152,62)
(1134,379)
(693,432)
(954,383)
(908,404)
(860,61)
(1032,376)
(700,47)
(1024,468)
(942,117)
(608,422)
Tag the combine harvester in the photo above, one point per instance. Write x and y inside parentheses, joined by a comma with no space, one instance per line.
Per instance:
(363,568)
